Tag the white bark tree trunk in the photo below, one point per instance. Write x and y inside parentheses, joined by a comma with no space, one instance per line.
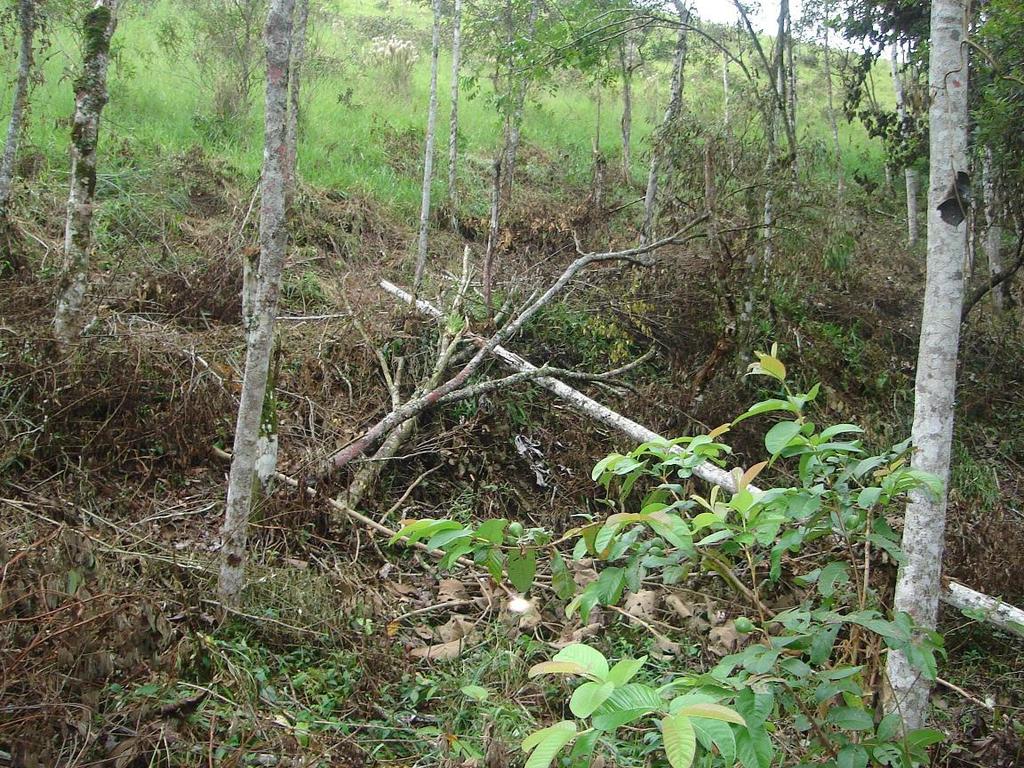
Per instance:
(993,231)
(628,60)
(516,123)
(918,585)
(27,28)
(428,152)
(300,34)
(453,122)
(90,98)
(791,75)
(913,181)
(260,336)
(675,106)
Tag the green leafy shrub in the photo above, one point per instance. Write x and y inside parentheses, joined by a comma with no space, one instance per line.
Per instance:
(793,672)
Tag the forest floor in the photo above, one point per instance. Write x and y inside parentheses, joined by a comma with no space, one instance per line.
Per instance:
(349,649)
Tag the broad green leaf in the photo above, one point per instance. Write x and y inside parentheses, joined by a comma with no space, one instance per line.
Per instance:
(889,728)
(476,692)
(925,737)
(779,436)
(627,703)
(716,733)
(852,756)
(590,659)
(548,746)
(839,429)
(584,746)
(557,668)
(868,497)
(522,567)
(444,538)
(625,670)
(679,739)
(610,721)
(603,464)
(712,712)
(561,578)
(588,697)
(832,574)
(851,719)
(754,748)
(766,406)
(492,531)
(715,538)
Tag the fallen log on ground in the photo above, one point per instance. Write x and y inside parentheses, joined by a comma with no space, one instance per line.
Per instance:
(992,610)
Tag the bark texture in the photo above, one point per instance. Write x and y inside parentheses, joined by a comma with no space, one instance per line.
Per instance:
(453,121)
(918,585)
(672,111)
(273,244)
(428,152)
(27,29)
(90,98)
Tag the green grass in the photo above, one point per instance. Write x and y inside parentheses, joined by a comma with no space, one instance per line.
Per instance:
(157,108)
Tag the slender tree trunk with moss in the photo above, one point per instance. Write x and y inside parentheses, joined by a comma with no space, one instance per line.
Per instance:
(453,122)
(27,29)
(259,349)
(428,153)
(90,98)
(913,181)
(918,584)
(661,136)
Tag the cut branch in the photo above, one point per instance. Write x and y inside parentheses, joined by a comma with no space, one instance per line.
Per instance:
(417,405)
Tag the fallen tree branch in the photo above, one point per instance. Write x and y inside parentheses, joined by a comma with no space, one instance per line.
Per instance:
(417,405)
(998,613)
(577,399)
(1003,615)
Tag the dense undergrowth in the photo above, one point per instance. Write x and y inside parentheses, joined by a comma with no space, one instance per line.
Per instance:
(112,649)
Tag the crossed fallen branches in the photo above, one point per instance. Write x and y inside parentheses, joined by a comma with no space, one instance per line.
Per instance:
(457,387)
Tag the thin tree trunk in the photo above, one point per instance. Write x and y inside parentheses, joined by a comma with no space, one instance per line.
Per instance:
(27,28)
(492,235)
(791,74)
(453,123)
(918,584)
(993,231)
(832,121)
(727,110)
(428,152)
(268,442)
(516,124)
(627,60)
(259,349)
(661,136)
(913,181)
(298,61)
(90,98)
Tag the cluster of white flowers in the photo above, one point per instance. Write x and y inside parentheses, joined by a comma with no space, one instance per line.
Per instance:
(396,58)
